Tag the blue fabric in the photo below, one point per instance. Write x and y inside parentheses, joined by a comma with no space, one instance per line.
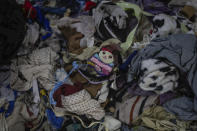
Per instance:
(55,121)
(10,108)
(73,5)
(125,65)
(58,84)
(11,105)
(57,11)
(44,22)
(182,108)
(81,3)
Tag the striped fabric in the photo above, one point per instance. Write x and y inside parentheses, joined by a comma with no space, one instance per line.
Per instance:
(133,107)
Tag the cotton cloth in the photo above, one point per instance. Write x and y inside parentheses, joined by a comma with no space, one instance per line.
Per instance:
(81,103)
(132,107)
(158,119)
(39,64)
(158,76)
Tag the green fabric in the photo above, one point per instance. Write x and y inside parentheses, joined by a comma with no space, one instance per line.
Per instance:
(159,119)
(184,28)
(138,12)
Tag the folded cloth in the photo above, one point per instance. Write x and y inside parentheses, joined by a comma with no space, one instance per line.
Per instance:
(158,76)
(82,104)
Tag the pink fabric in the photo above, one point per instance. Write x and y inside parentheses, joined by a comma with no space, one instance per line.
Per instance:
(105,67)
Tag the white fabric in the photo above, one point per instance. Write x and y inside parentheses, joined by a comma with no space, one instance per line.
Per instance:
(152,68)
(40,66)
(3,124)
(84,25)
(81,103)
(61,74)
(32,34)
(111,124)
(170,26)
(103,93)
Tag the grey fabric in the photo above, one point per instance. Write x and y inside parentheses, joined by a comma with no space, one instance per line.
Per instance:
(4,75)
(180,107)
(179,49)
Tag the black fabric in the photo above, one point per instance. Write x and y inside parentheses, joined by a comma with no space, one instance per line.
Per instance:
(142,106)
(107,23)
(12,29)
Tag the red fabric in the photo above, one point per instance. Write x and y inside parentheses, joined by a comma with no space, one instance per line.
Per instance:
(151,31)
(133,107)
(65,90)
(89,5)
(29,10)
(105,49)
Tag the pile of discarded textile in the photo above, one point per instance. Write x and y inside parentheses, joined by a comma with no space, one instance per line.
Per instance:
(98,65)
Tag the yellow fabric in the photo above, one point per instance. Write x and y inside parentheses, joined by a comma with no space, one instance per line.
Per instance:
(158,119)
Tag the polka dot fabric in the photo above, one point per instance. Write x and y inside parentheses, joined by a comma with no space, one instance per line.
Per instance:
(82,104)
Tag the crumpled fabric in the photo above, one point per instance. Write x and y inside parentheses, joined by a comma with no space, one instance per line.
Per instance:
(138,12)
(164,25)
(134,90)
(179,49)
(82,24)
(158,76)
(32,34)
(144,28)
(40,66)
(30,11)
(111,21)
(74,5)
(61,74)
(111,123)
(15,121)
(180,108)
(130,108)
(158,119)
(4,75)
(55,121)
(182,3)
(7,94)
(30,39)
(88,52)
(81,103)
(3,124)
(136,128)
(156,7)
(73,39)
(64,90)
(53,42)
(22,116)
(163,98)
